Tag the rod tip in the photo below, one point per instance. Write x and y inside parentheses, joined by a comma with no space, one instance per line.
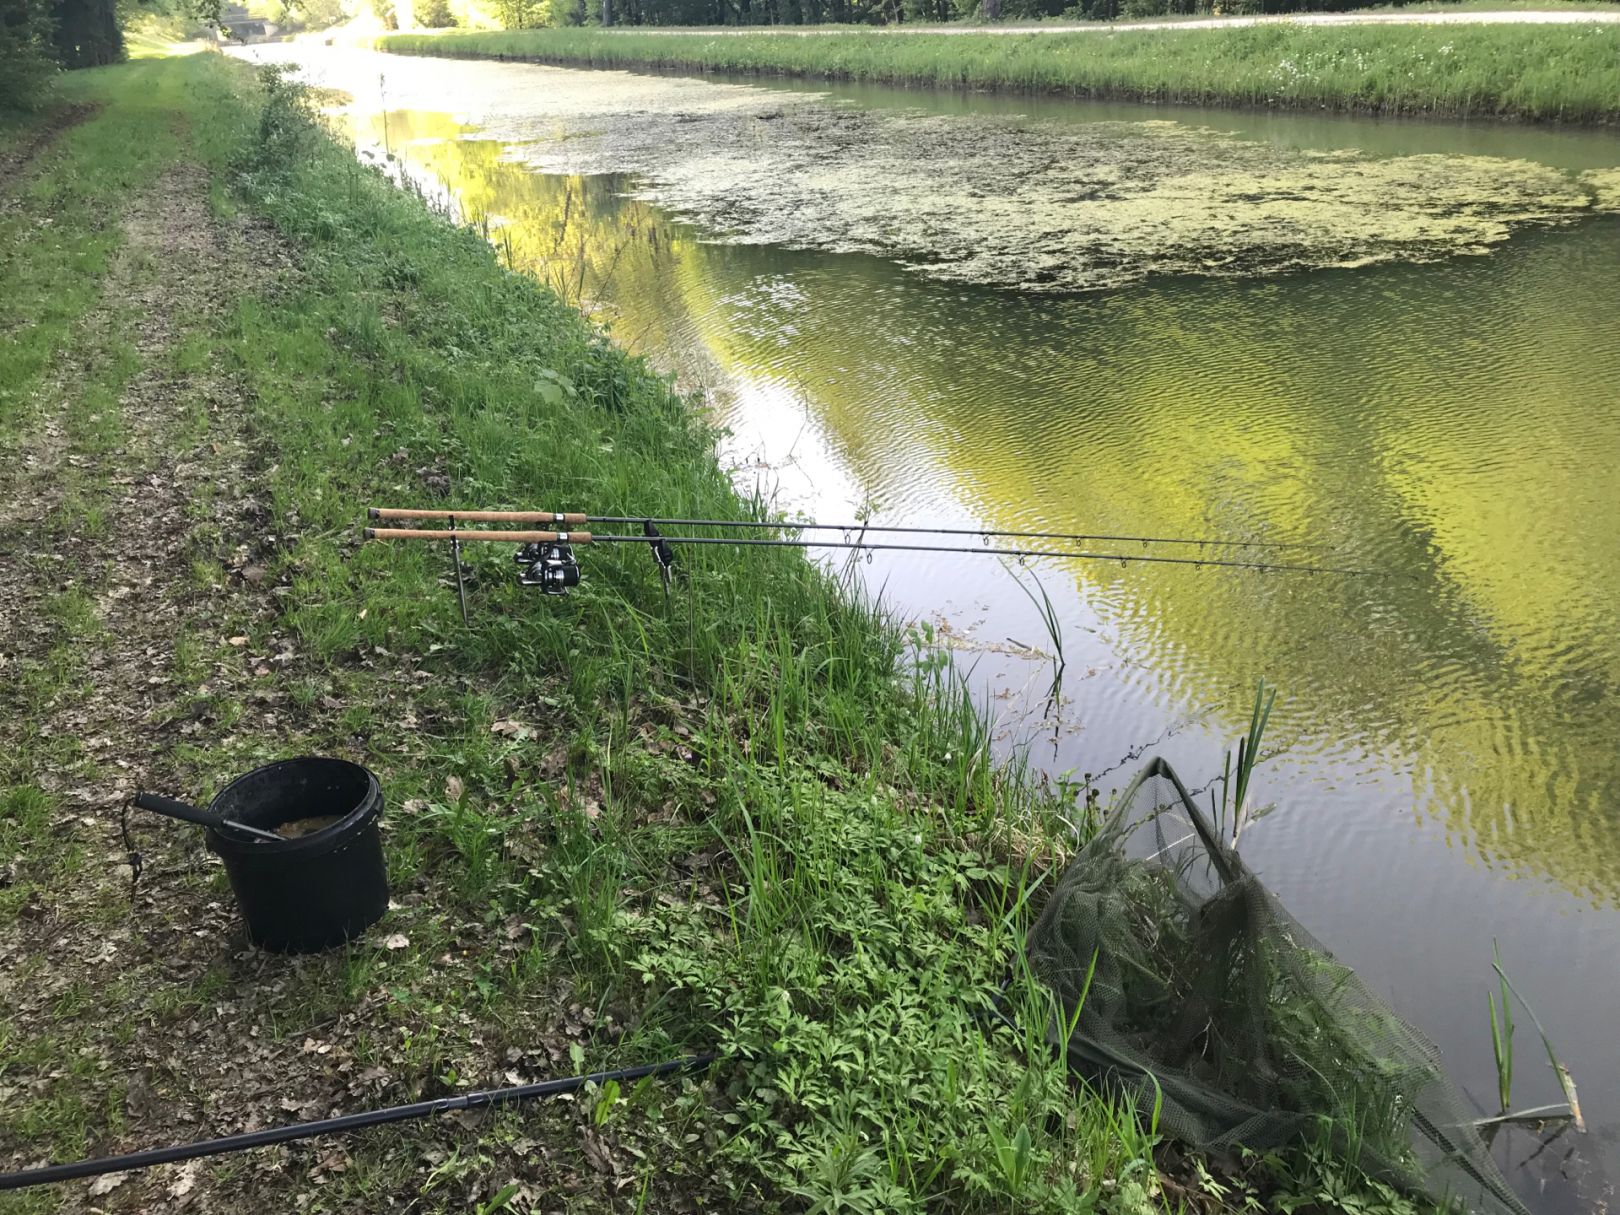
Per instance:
(371,533)
(373,513)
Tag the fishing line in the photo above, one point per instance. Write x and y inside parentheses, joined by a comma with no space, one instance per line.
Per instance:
(989,550)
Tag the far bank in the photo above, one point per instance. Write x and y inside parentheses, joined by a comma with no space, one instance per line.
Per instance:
(1539,73)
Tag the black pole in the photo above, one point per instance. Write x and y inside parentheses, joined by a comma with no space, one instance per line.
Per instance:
(989,551)
(789,526)
(333,1126)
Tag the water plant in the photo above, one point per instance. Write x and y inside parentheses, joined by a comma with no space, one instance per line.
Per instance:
(1053,624)
(1232,812)
(1566,1082)
(1502,1035)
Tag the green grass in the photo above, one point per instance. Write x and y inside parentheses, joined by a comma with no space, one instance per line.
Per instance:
(616,832)
(759,723)
(58,237)
(1548,73)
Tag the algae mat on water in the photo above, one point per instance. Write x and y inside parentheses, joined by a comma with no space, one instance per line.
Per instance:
(1000,201)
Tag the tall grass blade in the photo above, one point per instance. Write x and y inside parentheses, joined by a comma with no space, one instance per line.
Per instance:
(1565,1080)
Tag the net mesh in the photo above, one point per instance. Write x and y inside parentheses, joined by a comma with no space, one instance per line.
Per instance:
(1188,985)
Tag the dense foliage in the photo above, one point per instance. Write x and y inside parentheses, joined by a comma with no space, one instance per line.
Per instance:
(26,62)
(87,33)
(37,37)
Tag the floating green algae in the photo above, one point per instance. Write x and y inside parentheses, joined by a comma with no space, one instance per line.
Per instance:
(1055,206)
(991,199)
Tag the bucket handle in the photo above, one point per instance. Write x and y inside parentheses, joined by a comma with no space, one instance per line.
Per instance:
(186,812)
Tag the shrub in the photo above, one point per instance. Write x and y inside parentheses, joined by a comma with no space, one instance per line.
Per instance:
(27,68)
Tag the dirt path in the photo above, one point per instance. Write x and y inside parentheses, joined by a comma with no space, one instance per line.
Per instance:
(107,540)
(103,498)
(133,539)
(16,162)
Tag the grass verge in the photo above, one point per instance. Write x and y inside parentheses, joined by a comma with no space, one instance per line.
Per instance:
(617,831)
(1565,73)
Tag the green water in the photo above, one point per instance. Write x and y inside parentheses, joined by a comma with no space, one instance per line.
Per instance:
(1449,726)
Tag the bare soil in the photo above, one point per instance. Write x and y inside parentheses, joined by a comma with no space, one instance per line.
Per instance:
(17,162)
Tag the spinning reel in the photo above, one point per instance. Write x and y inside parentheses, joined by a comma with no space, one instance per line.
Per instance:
(549,565)
(552,566)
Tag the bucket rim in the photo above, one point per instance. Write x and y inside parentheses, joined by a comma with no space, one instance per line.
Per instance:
(349,825)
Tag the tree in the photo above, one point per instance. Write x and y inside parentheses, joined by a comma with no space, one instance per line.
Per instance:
(26,62)
(87,33)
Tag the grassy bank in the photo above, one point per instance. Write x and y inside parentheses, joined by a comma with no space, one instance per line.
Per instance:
(1545,73)
(617,831)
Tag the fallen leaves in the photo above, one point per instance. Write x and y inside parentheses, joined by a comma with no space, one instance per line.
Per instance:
(183,1184)
(107,1183)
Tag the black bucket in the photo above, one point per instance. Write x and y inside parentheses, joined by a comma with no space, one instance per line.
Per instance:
(316,891)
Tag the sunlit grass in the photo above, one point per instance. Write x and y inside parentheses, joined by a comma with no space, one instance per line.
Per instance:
(65,215)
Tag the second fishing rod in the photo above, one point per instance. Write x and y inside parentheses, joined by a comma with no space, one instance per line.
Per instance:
(576,519)
(549,561)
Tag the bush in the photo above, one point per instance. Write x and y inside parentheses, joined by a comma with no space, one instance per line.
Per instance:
(27,68)
(434,14)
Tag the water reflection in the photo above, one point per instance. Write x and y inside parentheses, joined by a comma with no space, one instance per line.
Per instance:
(1453,426)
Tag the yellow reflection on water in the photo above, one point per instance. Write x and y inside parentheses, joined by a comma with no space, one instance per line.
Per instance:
(1456,427)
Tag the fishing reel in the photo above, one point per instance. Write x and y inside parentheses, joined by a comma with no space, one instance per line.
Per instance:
(549,565)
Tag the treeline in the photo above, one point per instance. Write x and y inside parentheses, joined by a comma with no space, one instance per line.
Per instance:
(525,14)
(40,37)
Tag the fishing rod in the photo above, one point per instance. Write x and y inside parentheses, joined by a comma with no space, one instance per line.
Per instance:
(524,537)
(576,519)
(548,560)
(292,1132)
